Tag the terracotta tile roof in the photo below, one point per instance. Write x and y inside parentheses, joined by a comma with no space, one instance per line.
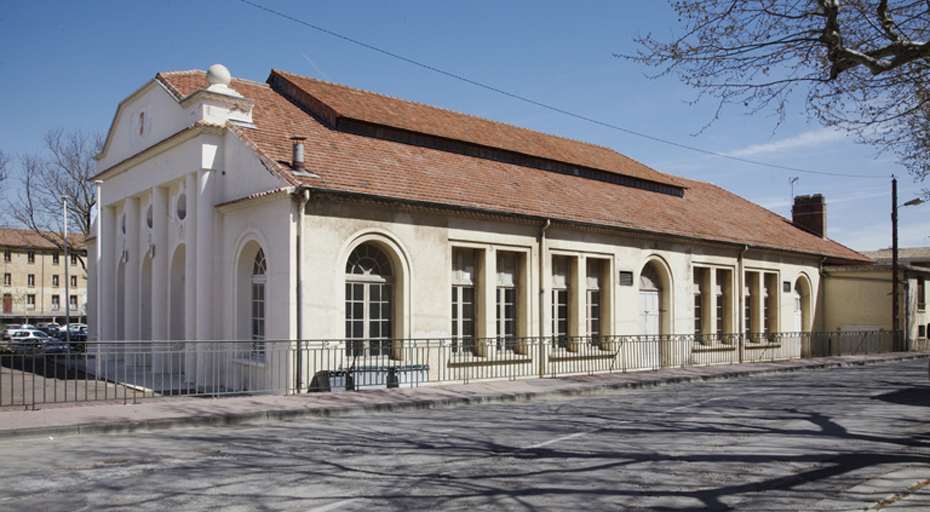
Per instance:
(358,164)
(344,102)
(28,239)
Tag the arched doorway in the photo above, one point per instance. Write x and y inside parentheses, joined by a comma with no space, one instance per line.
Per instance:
(650,301)
(802,305)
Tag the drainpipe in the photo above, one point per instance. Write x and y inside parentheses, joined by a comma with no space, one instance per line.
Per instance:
(741,302)
(542,297)
(301,335)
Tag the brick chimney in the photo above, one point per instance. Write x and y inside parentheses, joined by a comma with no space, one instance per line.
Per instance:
(810,214)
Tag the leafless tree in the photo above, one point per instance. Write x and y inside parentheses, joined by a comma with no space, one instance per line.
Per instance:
(859,65)
(64,172)
(4,169)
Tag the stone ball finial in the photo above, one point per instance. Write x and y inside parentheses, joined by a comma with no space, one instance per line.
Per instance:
(218,74)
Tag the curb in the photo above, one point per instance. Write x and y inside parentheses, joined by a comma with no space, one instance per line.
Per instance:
(593,389)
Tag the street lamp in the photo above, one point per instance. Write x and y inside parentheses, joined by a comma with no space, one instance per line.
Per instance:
(895,284)
(64,238)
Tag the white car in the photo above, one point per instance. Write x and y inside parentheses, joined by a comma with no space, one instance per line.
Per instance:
(33,340)
(14,327)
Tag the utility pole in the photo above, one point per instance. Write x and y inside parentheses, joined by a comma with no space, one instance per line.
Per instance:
(67,263)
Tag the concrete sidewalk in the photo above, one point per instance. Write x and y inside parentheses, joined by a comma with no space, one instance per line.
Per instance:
(169,413)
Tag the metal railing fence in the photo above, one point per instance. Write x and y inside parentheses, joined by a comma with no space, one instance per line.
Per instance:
(130,371)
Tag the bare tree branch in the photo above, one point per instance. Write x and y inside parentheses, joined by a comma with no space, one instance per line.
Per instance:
(864,65)
(63,173)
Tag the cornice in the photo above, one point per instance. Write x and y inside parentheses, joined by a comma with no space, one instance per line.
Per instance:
(261,198)
(185,135)
(512,218)
(240,103)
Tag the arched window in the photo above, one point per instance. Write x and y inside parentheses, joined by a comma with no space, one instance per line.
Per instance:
(258,302)
(369,302)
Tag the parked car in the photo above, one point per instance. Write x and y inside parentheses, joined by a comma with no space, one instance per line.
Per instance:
(49,328)
(32,341)
(74,327)
(77,339)
(12,327)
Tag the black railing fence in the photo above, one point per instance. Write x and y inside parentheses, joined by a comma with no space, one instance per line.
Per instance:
(129,371)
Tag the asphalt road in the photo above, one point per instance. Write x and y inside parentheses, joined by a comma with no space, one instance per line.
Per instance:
(837,439)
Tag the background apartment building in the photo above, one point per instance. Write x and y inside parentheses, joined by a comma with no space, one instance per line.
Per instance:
(38,279)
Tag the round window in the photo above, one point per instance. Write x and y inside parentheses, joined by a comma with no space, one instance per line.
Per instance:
(182,206)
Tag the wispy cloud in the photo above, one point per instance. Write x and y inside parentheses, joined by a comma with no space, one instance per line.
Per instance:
(317,68)
(812,138)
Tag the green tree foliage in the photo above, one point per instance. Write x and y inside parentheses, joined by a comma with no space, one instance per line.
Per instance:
(859,65)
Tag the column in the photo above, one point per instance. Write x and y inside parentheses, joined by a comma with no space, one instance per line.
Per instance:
(205,263)
(106,270)
(132,270)
(160,278)
(190,281)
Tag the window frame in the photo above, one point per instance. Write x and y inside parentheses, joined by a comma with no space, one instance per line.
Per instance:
(465,299)
(378,294)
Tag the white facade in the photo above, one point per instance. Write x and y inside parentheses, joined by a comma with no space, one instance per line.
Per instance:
(187,205)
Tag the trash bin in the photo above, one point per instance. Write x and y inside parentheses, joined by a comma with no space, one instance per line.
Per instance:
(408,376)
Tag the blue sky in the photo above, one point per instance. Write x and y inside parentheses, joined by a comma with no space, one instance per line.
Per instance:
(68,65)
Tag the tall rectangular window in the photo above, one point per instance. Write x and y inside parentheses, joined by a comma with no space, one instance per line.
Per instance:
(258,312)
(31,280)
(698,291)
(73,304)
(594,280)
(55,281)
(747,309)
(56,302)
(7,256)
(561,291)
(30,301)
(770,303)
(464,310)
(74,259)
(30,257)
(508,282)
(8,279)
(74,281)
(722,290)
(55,258)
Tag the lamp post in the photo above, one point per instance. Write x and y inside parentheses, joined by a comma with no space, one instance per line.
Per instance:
(64,238)
(895,284)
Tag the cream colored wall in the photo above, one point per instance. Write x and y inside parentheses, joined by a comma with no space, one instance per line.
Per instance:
(860,298)
(268,224)
(424,242)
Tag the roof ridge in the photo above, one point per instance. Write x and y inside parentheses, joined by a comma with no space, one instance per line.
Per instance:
(455,112)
